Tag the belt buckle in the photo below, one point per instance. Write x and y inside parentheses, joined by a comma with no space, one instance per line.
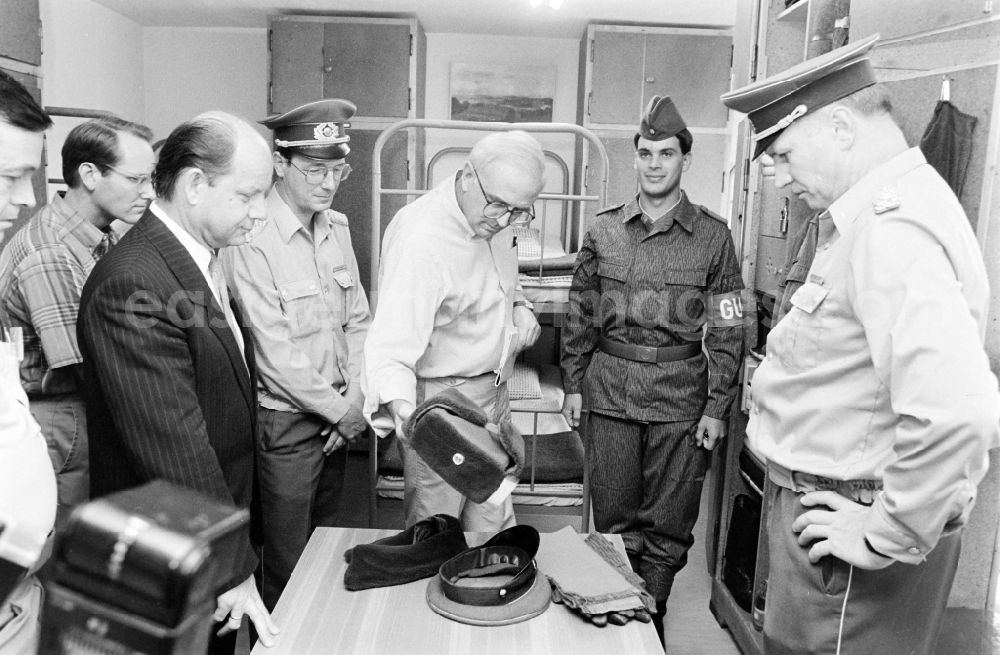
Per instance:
(646,354)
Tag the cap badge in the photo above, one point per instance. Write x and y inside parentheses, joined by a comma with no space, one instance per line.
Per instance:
(886,200)
(326,131)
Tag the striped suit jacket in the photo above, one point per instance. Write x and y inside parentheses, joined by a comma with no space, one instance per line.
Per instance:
(167,392)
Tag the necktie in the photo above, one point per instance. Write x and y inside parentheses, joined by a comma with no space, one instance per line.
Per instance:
(104,245)
(222,295)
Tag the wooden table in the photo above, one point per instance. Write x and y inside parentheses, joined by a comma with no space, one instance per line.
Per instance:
(317,615)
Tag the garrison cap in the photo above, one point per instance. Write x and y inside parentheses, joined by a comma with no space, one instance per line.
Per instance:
(316,129)
(661,120)
(775,103)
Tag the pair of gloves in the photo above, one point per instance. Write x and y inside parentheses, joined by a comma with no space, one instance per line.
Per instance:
(620,617)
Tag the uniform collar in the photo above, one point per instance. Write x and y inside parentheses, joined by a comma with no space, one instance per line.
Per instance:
(683,213)
(858,199)
(287,223)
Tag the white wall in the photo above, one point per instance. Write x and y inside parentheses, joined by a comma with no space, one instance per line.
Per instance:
(91,59)
(191,70)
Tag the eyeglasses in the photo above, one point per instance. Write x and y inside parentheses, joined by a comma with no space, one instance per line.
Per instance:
(496,210)
(138,180)
(316,174)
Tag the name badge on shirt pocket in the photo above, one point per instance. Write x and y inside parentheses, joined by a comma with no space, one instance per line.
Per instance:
(343,277)
(810,296)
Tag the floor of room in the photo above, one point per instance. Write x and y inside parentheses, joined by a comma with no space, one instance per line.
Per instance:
(690,628)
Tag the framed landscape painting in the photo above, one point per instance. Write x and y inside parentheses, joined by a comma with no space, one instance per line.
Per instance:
(502,93)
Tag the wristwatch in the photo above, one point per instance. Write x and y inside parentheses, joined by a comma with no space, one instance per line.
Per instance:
(524,303)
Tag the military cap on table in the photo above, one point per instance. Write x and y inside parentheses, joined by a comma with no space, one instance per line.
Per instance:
(660,121)
(775,103)
(316,129)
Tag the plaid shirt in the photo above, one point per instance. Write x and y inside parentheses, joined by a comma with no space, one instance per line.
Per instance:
(42,271)
(654,285)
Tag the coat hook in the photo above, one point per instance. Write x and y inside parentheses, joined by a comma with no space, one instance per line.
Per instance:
(946,89)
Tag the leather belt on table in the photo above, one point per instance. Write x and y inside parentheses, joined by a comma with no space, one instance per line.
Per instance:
(649,354)
(488,561)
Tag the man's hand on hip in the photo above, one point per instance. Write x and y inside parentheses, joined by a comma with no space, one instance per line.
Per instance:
(572,406)
(243,600)
(710,432)
(836,527)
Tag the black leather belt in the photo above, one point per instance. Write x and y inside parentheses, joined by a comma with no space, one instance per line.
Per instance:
(487,561)
(649,354)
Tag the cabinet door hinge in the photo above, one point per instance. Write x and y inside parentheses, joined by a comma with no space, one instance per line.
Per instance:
(409,98)
(731,54)
(590,101)
(411,45)
(270,40)
(407,170)
(592,51)
(753,63)
(270,95)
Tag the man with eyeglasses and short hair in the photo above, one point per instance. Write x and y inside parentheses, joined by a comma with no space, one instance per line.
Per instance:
(106,163)
(656,282)
(298,286)
(450,307)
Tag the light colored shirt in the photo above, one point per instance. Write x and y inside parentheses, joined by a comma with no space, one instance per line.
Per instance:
(445,301)
(301,296)
(42,272)
(878,370)
(201,255)
(27,482)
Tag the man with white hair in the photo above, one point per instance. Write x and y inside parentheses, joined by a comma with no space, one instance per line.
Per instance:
(450,307)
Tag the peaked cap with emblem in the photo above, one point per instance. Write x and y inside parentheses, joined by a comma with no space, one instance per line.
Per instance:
(775,103)
(661,120)
(316,129)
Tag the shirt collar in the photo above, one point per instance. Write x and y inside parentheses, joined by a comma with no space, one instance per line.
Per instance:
(71,221)
(449,201)
(199,253)
(287,223)
(858,199)
(682,213)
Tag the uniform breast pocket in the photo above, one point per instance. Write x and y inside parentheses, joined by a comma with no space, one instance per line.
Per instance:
(302,302)
(805,331)
(682,294)
(612,272)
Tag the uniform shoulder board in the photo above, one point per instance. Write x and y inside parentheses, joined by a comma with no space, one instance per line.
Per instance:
(336,218)
(712,214)
(886,200)
(612,208)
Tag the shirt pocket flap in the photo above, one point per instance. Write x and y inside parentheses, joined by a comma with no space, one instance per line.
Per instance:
(809,296)
(300,289)
(614,270)
(686,278)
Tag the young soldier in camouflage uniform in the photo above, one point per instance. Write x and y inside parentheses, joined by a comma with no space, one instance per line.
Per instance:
(651,274)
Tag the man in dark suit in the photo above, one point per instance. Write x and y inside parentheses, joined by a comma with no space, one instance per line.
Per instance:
(169,374)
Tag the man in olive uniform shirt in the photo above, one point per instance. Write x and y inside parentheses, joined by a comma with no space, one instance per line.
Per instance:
(297,283)
(650,274)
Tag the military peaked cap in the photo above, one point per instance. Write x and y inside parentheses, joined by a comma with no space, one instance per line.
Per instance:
(775,103)
(316,129)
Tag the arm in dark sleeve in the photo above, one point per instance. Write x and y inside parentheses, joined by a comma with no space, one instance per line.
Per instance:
(724,336)
(142,364)
(582,330)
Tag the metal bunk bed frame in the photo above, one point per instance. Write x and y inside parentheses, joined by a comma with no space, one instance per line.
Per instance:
(376,240)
